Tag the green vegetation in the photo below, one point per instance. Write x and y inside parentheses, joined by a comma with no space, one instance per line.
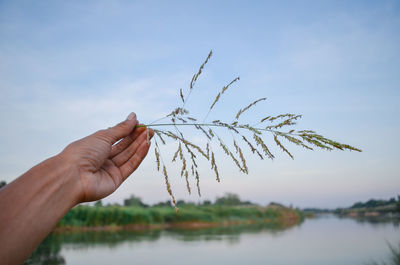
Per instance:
(316,210)
(374,203)
(2,184)
(134,201)
(372,208)
(122,215)
(226,209)
(231,199)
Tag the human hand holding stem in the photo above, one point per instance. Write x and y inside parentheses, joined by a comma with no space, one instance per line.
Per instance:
(105,159)
(86,170)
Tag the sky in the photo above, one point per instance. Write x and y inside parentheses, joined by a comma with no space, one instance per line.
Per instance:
(70,68)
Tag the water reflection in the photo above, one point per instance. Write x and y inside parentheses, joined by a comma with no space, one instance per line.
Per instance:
(323,240)
(374,220)
(49,250)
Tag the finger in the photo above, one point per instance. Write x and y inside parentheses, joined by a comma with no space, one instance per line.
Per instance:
(124,143)
(133,163)
(113,171)
(124,156)
(120,130)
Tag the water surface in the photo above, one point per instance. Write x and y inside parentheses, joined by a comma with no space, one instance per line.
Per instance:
(323,240)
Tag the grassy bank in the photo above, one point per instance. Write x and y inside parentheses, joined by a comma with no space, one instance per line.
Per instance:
(108,216)
(372,209)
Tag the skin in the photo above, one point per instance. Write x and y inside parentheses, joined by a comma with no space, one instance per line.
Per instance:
(86,170)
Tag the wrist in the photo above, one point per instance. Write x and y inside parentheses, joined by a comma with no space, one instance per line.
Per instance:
(66,179)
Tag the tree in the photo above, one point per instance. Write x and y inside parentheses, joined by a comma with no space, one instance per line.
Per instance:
(207,202)
(228,199)
(163,204)
(2,184)
(99,203)
(398,203)
(134,201)
(181,203)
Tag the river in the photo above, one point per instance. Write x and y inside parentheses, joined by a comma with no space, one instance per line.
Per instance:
(325,239)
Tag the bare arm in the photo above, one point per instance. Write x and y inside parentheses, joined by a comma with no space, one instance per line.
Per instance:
(86,170)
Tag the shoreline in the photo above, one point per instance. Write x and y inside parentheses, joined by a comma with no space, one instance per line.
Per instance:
(191,225)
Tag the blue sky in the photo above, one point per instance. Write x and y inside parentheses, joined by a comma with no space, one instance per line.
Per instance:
(69,68)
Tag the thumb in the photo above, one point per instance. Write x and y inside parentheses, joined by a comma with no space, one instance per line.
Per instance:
(122,129)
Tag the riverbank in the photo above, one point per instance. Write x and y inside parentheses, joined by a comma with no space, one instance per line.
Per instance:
(183,225)
(109,218)
(382,212)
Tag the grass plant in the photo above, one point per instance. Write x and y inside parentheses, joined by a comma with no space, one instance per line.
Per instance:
(280,127)
(95,216)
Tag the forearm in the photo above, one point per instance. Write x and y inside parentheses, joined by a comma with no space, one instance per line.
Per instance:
(32,205)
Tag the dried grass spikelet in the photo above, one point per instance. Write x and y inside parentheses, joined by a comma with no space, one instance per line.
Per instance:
(250,128)
(209,137)
(176,153)
(181,94)
(239,150)
(169,186)
(222,92)
(157,159)
(180,151)
(224,147)
(187,182)
(231,155)
(189,145)
(160,137)
(260,142)
(196,147)
(294,140)
(195,76)
(253,149)
(287,122)
(214,166)
(215,100)
(281,146)
(264,119)
(183,166)
(197,182)
(240,112)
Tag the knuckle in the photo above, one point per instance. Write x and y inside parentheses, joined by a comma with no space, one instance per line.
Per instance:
(71,147)
(123,125)
(103,135)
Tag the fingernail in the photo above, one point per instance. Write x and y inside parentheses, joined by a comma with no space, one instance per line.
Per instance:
(131,116)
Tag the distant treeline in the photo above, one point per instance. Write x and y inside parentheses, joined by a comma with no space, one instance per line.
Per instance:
(372,209)
(228,199)
(228,208)
(383,206)
(372,203)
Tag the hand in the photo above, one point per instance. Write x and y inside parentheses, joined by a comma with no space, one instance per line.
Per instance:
(86,170)
(99,165)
